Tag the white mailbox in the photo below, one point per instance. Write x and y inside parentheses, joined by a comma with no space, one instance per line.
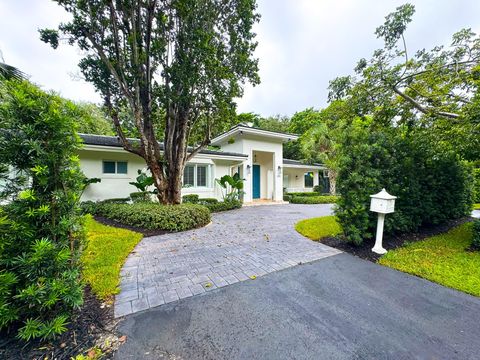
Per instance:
(382,202)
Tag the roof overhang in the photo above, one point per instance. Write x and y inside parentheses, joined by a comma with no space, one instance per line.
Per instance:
(304,166)
(246,130)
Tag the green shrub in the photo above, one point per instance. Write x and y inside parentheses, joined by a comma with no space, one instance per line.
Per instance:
(224,205)
(318,189)
(155,216)
(476,235)
(140,196)
(286,197)
(115,201)
(476,185)
(432,185)
(88,207)
(40,228)
(205,201)
(324,199)
(311,193)
(190,199)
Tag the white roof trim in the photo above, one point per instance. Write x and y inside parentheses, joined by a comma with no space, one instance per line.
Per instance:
(88,147)
(305,166)
(252,131)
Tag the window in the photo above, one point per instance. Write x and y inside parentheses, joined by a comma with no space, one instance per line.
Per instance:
(188,176)
(196,175)
(115,167)
(201,175)
(309,179)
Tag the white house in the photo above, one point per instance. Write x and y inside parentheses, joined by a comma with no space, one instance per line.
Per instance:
(256,154)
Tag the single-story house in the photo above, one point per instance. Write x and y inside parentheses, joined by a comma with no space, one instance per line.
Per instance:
(256,154)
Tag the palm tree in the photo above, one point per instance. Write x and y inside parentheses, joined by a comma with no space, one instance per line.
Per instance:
(8,72)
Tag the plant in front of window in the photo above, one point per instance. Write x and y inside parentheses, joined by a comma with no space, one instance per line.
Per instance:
(143,181)
(40,227)
(236,187)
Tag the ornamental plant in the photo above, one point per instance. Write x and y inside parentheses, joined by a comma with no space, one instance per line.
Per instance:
(40,229)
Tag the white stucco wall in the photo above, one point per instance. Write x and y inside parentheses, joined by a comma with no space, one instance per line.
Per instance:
(296,181)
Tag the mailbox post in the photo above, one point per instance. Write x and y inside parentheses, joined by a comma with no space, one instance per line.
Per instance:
(381,203)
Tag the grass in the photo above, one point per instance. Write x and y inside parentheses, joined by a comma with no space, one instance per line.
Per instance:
(442,259)
(476,206)
(105,252)
(318,228)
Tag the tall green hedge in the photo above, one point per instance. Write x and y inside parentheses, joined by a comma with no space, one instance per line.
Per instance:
(476,187)
(40,229)
(432,185)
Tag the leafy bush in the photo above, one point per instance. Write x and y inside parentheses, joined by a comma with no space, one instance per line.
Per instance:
(40,228)
(115,201)
(224,205)
(286,197)
(323,199)
(205,201)
(140,196)
(88,207)
(155,216)
(476,235)
(318,189)
(311,193)
(190,199)
(432,185)
(476,185)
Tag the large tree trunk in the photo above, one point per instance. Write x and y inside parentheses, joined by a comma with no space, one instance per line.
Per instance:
(332,177)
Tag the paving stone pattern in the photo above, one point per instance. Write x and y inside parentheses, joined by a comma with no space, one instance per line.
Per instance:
(239,245)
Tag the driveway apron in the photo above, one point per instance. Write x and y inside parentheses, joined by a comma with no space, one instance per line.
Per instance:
(238,245)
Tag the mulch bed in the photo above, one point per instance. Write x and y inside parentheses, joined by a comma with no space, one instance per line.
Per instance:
(91,325)
(391,242)
(145,232)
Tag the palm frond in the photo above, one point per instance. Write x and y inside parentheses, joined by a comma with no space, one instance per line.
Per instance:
(8,72)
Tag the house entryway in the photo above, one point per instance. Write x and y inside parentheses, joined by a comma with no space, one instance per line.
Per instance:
(256,182)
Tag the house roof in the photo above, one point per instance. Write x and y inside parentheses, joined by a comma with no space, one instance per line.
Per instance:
(114,141)
(300,164)
(245,129)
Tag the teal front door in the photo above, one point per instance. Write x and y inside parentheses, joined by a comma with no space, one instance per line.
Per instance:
(256,181)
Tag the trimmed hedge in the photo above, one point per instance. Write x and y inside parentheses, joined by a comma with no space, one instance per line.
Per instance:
(156,217)
(476,235)
(205,201)
(223,205)
(311,193)
(323,199)
(190,199)
(141,196)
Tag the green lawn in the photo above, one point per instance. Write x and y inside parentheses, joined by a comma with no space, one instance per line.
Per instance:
(476,206)
(442,259)
(105,252)
(318,228)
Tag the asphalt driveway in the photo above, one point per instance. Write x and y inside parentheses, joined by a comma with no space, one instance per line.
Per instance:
(340,307)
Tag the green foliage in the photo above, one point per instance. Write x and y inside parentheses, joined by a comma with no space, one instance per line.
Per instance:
(190,199)
(311,193)
(223,205)
(444,259)
(476,235)
(204,201)
(176,66)
(88,207)
(143,181)
(40,228)
(92,119)
(476,185)
(432,185)
(140,196)
(155,216)
(236,187)
(106,249)
(322,199)
(319,228)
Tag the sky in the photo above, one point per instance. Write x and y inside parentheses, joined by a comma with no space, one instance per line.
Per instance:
(302,45)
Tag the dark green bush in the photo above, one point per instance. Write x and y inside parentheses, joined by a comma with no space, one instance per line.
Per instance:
(432,185)
(323,199)
(224,205)
(476,235)
(155,216)
(205,201)
(40,228)
(476,185)
(311,193)
(318,189)
(141,196)
(286,197)
(116,201)
(88,207)
(190,199)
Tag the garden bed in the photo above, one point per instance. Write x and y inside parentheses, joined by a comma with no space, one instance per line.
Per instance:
(89,326)
(390,242)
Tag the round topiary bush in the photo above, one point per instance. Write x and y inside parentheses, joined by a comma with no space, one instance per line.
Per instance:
(155,216)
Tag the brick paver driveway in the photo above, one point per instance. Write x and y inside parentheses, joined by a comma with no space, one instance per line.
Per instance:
(240,244)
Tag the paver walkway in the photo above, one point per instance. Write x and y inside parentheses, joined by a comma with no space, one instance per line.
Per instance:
(239,244)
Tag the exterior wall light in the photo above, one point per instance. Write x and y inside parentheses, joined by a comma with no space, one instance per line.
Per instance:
(248,169)
(279,171)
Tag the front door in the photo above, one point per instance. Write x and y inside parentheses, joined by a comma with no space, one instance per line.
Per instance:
(256,182)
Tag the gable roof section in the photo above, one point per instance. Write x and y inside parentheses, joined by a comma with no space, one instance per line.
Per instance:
(114,141)
(244,129)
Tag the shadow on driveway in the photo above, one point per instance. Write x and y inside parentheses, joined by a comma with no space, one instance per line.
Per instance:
(341,307)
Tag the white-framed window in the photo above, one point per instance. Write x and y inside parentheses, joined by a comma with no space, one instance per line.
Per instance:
(308,179)
(115,167)
(197,175)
